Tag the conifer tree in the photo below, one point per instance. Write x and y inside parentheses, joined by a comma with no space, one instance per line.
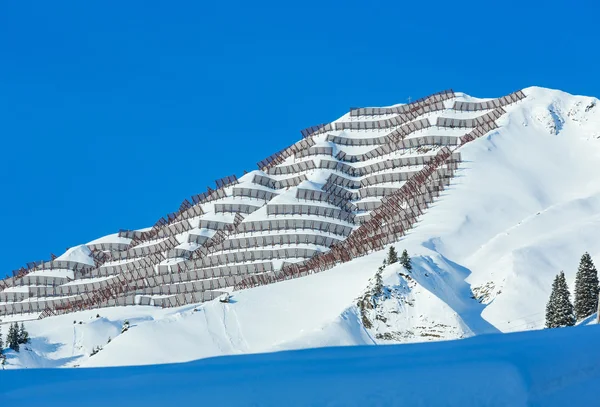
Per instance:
(1,344)
(559,310)
(378,287)
(13,337)
(405,260)
(392,255)
(23,335)
(586,288)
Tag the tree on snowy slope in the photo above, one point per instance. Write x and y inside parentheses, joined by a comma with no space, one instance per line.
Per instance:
(559,310)
(12,339)
(405,260)
(378,286)
(23,335)
(392,255)
(586,288)
(1,343)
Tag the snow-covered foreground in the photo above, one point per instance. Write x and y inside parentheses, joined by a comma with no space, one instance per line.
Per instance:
(523,369)
(524,205)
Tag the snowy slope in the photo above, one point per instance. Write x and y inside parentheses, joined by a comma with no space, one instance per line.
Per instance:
(523,206)
(524,369)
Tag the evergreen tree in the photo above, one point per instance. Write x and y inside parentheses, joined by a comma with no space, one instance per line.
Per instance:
(23,335)
(378,287)
(559,310)
(13,337)
(1,343)
(392,255)
(405,260)
(586,288)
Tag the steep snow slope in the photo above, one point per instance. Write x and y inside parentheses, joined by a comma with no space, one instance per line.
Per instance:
(523,206)
(524,369)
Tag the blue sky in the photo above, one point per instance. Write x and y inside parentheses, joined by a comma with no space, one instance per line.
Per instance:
(111,113)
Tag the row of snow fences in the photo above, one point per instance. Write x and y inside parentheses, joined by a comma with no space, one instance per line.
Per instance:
(41,280)
(192,209)
(410,143)
(490,104)
(309,131)
(280,156)
(403,144)
(470,123)
(387,223)
(109,297)
(108,246)
(196,291)
(254,193)
(184,299)
(213,224)
(390,177)
(357,141)
(428,193)
(310,225)
(147,249)
(166,288)
(273,240)
(396,163)
(138,271)
(316,210)
(315,150)
(196,238)
(192,270)
(292,168)
(235,208)
(419,103)
(341,181)
(339,191)
(300,269)
(378,178)
(278,184)
(179,253)
(478,132)
(395,121)
(220,259)
(226,181)
(394,137)
(329,197)
(188,210)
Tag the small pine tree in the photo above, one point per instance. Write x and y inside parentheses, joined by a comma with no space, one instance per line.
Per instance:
(586,288)
(392,255)
(378,287)
(559,310)
(23,335)
(405,260)
(1,344)
(13,337)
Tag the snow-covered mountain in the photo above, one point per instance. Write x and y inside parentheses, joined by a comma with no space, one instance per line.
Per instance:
(491,198)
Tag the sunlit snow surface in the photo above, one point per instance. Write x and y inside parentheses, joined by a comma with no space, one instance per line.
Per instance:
(525,204)
(543,368)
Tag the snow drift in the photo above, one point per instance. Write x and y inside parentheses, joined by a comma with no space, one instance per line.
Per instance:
(523,369)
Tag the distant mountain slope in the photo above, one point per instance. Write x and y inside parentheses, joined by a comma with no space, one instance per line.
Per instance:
(523,205)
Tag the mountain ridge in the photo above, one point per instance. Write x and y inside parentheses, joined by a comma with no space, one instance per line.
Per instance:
(510,219)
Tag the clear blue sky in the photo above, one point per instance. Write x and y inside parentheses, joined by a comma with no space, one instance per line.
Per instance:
(111,113)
